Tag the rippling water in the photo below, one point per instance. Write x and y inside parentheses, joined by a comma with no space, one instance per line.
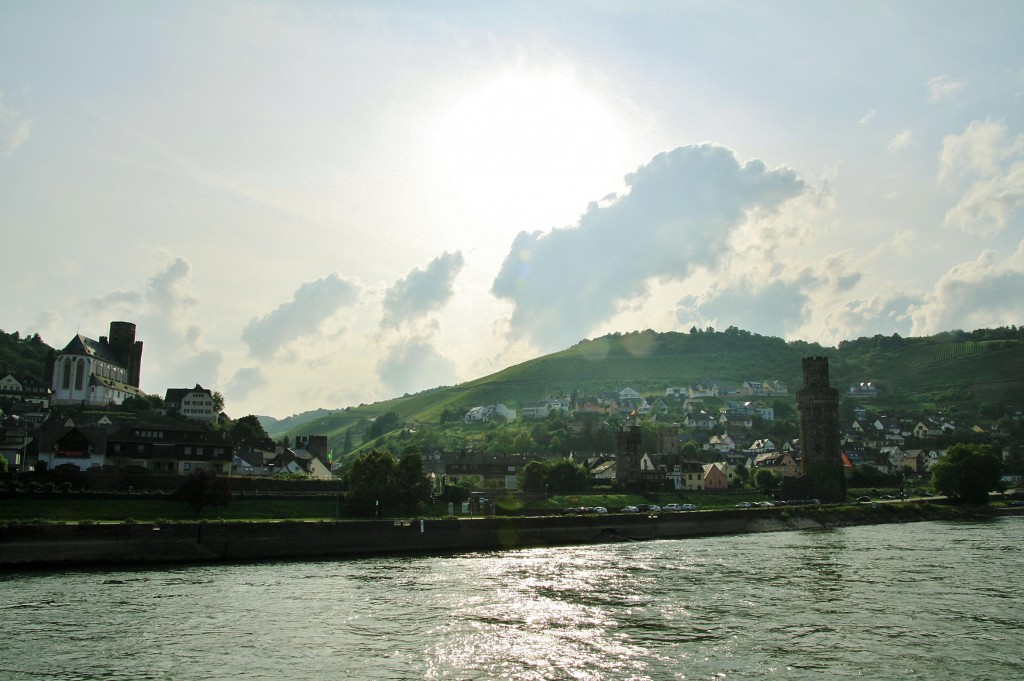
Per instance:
(917,601)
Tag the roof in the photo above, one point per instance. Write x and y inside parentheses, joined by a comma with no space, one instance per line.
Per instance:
(177,394)
(80,345)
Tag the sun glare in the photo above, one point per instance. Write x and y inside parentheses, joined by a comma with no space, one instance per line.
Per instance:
(528,151)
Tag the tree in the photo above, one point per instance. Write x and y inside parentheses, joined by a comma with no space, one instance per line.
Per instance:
(967,473)
(565,475)
(765,480)
(371,481)
(413,486)
(202,488)
(532,477)
(384,423)
(3,464)
(247,429)
(690,450)
(218,402)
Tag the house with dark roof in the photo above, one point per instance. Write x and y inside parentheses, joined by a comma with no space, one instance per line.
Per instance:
(193,403)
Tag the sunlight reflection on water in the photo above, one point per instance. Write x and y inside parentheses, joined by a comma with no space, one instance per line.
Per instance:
(917,601)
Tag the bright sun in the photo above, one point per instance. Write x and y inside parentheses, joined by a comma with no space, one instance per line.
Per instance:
(528,151)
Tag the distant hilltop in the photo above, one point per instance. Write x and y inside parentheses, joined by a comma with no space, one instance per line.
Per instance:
(966,371)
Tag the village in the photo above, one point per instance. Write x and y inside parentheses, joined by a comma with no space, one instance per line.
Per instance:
(708,436)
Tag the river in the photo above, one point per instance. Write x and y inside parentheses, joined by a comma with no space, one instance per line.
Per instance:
(932,600)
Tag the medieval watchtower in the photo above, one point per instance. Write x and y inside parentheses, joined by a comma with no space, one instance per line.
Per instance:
(818,405)
(627,453)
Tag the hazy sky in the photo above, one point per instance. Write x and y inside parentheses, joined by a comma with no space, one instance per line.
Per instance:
(313,204)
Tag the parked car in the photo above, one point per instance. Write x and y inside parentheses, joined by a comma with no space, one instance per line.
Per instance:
(863,499)
(649,508)
(672,508)
(688,507)
(629,509)
(600,510)
(744,504)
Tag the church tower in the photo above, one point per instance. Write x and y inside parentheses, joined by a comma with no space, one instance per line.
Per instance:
(128,350)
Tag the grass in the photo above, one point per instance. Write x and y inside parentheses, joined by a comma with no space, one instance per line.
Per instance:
(78,509)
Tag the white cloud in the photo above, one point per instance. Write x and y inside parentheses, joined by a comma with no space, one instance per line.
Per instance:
(422,291)
(975,294)
(941,87)
(679,213)
(174,350)
(867,117)
(771,307)
(312,303)
(901,141)
(414,365)
(244,381)
(988,165)
(15,128)
(885,314)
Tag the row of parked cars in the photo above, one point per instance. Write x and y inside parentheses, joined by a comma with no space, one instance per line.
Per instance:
(642,508)
(769,504)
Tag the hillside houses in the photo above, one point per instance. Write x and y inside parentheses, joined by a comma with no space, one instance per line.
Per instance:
(489,413)
(863,391)
(764,388)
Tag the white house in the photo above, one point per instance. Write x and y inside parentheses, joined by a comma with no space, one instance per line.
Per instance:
(192,403)
(483,414)
(628,393)
(536,410)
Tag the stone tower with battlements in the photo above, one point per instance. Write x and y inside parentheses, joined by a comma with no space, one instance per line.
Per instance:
(628,454)
(822,461)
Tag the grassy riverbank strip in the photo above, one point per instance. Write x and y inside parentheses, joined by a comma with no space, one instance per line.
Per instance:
(78,508)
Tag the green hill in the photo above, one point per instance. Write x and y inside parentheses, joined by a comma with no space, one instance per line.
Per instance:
(958,372)
(27,357)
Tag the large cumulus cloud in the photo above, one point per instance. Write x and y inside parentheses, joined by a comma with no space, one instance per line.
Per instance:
(164,311)
(408,340)
(422,291)
(983,292)
(414,365)
(312,303)
(986,163)
(678,215)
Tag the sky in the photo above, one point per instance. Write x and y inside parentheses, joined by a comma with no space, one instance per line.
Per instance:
(324,204)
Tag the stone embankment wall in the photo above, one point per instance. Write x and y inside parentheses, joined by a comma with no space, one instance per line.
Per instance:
(115,543)
(71,544)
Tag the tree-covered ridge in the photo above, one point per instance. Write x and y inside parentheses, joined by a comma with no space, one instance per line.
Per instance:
(967,374)
(25,357)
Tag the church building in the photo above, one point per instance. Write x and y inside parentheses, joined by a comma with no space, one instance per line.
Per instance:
(98,373)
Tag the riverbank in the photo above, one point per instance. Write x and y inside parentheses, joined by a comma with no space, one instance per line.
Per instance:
(27,545)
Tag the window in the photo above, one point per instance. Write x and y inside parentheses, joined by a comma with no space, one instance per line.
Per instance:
(66,381)
(79,374)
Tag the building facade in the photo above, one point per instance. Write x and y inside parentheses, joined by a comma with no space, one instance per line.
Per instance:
(98,373)
(195,403)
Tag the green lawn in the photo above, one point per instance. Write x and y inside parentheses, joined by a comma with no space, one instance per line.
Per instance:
(73,509)
(143,508)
